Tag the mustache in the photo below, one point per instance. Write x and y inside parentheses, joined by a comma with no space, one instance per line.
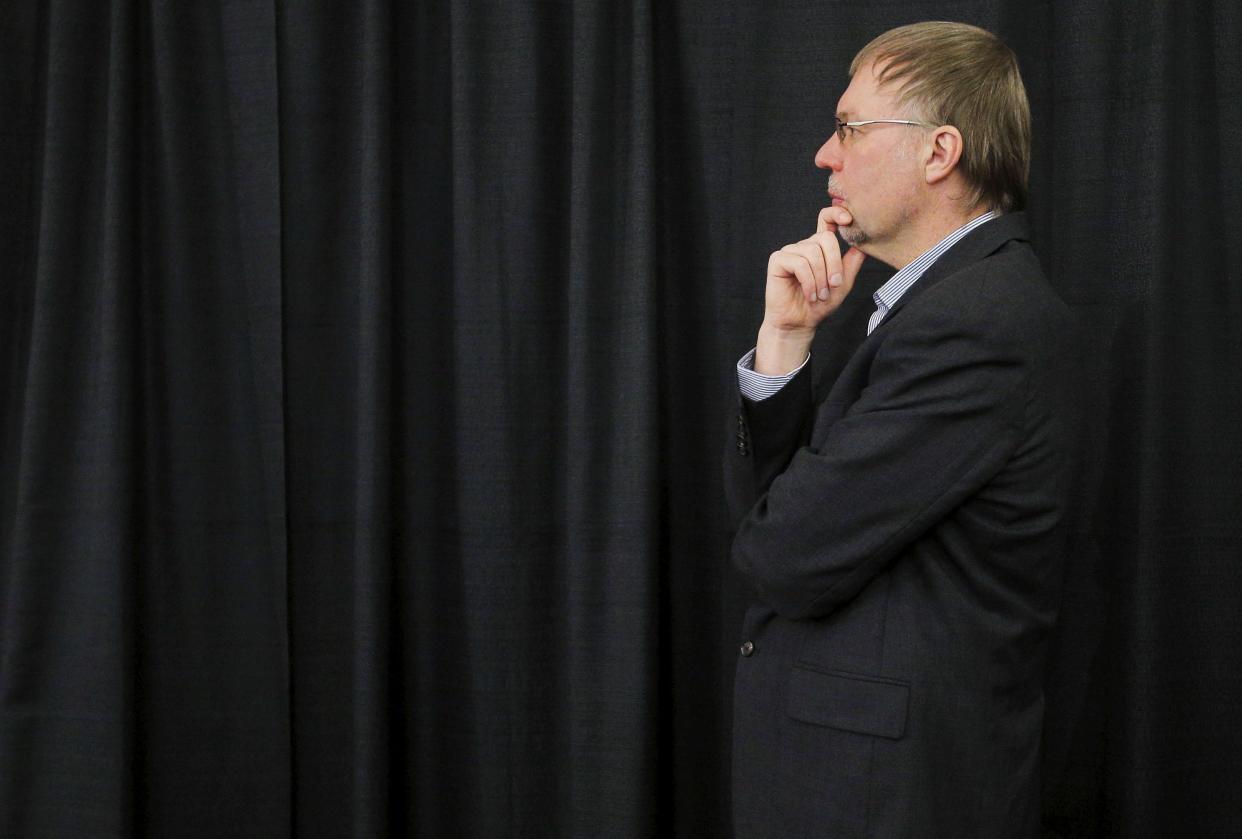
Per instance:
(834,189)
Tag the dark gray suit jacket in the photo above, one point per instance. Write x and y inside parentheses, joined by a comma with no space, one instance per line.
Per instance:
(904,538)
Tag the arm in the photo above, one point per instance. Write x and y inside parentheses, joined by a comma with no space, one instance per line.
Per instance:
(941,416)
(766,434)
(806,282)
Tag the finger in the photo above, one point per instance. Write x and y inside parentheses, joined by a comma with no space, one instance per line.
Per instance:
(796,265)
(830,218)
(814,254)
(825,224)
(831,252)
(851,264)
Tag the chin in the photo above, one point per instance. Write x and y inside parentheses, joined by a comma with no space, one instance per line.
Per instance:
(854,235)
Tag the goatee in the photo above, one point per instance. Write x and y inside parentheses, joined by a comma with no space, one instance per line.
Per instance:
(853,235)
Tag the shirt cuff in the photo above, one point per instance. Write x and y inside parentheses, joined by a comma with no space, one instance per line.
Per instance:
(756,386)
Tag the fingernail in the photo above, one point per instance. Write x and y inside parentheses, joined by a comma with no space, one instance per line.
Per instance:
(823,294)
(834,281)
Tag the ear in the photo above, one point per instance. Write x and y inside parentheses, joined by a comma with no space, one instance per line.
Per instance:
(943,153)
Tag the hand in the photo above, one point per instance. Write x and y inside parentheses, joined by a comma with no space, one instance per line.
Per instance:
(806,282)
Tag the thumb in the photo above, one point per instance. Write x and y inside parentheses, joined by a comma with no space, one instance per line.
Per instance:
(851,264)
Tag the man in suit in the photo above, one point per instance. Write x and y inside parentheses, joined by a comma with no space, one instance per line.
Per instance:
(903,535)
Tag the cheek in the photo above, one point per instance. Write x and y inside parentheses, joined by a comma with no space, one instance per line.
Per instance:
(893,185)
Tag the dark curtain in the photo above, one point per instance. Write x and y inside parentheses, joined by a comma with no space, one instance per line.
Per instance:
(363,369)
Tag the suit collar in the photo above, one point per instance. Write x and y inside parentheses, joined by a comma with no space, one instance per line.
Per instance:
(979,243)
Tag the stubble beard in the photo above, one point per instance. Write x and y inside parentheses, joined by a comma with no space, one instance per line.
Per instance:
(854,235)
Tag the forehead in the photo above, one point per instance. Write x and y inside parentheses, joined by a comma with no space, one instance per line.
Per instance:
(865,94)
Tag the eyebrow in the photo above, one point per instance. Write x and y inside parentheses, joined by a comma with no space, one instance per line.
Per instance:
(844,116)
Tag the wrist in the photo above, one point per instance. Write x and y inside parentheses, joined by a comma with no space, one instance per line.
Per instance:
(781,349)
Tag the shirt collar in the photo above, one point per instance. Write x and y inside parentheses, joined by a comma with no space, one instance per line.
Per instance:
(888,294)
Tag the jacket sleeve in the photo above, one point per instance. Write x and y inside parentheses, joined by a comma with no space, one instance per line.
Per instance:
(940,417)
(766,435)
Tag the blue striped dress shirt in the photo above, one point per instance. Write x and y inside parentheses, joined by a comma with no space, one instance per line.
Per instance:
(757,386)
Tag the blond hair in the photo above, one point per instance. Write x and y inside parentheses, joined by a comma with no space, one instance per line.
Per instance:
(961,75)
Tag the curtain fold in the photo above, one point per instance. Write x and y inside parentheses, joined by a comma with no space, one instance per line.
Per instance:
(143,682)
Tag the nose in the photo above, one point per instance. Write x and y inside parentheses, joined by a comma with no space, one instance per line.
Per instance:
(829,154)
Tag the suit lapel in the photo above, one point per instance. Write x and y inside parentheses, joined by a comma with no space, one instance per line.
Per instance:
(979,243)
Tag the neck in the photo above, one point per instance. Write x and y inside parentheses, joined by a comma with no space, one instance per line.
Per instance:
(923,233)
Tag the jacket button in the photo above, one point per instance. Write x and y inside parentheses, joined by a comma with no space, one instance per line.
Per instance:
(748,649)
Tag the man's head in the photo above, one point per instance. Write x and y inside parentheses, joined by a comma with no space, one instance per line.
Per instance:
(969,152)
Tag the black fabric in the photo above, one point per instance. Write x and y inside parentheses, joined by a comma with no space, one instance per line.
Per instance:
(360,374)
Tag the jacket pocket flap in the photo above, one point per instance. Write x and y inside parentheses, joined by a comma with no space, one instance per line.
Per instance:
(849,702)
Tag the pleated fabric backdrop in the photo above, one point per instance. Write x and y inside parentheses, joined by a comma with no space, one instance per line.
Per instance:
(363,368)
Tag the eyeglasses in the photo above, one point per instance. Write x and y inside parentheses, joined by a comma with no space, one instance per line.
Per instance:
(841,126)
